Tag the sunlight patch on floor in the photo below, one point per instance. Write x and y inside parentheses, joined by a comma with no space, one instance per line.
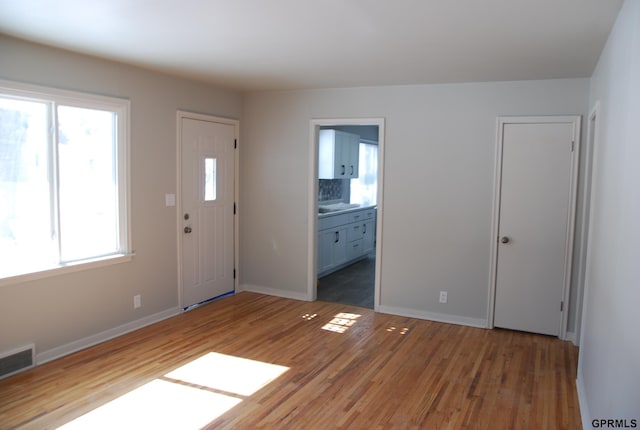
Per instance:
(158,405)
(187,398)
(402,331)
(227,373)
(341,322)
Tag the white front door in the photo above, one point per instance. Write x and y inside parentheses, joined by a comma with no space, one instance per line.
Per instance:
(535,206)
(207,203)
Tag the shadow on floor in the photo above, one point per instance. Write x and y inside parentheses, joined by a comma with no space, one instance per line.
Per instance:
(354,285)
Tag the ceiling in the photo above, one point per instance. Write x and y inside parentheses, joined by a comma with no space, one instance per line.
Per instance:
(252,45)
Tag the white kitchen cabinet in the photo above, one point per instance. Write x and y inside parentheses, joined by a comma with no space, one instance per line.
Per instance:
(324,256)
(332,248)
(351,152)
(369,236)
(345,238)
(338,155)
(354,250)
(354,241)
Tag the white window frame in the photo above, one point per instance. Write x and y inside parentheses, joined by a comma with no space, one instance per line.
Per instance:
(122,108)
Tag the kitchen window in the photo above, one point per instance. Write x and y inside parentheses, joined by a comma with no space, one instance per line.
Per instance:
(364,188)
(63,179)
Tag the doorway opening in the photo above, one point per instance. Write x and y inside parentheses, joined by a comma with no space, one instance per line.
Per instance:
(346,203)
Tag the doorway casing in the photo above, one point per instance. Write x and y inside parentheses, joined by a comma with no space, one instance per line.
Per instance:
(587,208)
(313,199)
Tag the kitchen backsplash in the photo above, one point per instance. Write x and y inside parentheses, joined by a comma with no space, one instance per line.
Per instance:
(331,189)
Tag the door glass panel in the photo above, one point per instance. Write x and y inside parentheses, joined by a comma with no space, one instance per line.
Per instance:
(210,184)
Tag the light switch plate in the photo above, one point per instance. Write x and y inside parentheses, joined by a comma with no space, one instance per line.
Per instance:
(170,199)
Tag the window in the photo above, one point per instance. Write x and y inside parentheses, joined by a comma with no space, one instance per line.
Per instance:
(63,171)
(364,188)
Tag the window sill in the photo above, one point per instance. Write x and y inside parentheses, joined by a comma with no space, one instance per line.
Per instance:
(67,268)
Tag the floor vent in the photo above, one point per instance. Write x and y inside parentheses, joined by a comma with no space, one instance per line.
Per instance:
(17,360)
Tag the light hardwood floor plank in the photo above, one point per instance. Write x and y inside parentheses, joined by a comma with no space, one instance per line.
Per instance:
(348,367)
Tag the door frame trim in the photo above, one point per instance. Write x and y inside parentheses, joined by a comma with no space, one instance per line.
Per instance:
(588,197)
(180,115)
(501,121)
(312,233)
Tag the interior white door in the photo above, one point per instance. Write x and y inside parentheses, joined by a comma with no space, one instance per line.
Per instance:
(535,203)
(207,193)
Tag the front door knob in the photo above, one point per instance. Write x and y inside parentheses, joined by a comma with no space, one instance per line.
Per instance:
(504,239)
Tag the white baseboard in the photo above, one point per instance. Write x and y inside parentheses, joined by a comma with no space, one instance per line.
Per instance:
(274,292)
(582,401)
(433,316)
(95,339)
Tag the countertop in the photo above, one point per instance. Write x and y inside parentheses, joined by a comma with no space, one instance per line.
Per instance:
(344,211)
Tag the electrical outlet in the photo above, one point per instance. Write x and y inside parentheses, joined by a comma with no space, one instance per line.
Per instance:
(137,301)
(443,297)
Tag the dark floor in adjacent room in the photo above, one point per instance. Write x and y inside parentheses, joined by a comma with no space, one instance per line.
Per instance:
(353,285)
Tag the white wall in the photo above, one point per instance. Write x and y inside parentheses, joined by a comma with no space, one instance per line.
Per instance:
(58,313)
(439,155)
(609,364)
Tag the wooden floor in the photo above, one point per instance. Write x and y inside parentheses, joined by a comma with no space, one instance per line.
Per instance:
(322,365)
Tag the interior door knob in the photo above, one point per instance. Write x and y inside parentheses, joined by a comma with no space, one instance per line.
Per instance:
(187,230)
(504,239)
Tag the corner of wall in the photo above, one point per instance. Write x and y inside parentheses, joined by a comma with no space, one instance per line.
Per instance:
(582,400)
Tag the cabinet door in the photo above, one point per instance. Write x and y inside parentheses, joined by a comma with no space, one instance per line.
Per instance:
(341,154)
(352,149)
(339,245)
(354,249)
(354,231)
(325,250)
(329,155)
(368,236)
(332,248)
(338,155)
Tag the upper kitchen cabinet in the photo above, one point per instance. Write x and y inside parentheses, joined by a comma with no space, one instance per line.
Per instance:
(338,155)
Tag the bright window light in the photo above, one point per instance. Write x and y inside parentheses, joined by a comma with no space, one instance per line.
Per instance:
(210,182)
(88,192)
(25,186)
(63,178)
(364,188)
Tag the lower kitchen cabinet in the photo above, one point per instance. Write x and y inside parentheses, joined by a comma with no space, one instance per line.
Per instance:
(332,248)
(369,236)
(354,250)
(344,238)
